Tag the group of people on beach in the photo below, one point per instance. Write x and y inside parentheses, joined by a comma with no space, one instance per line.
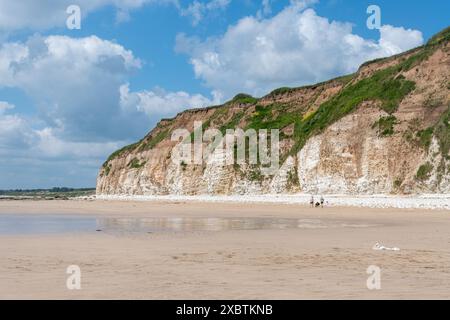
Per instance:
(316,204)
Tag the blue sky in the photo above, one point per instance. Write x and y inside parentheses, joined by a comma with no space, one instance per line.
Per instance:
(68,98)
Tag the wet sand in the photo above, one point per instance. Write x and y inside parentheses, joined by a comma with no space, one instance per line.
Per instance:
(295,263)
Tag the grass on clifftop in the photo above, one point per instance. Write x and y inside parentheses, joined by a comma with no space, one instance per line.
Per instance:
(148,145)
(264,118)
(117,153)
(154,140)
(244,99)
(444,35)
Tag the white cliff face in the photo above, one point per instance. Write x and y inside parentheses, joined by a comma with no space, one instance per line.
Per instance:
(347,158)
(437,181)
(174,179)
(282,180)
(216,175)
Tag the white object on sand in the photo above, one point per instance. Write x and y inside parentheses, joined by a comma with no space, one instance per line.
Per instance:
(378,246)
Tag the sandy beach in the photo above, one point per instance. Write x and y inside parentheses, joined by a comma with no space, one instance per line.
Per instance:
(324,259)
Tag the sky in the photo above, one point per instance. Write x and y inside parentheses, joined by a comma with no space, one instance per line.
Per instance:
(70,97)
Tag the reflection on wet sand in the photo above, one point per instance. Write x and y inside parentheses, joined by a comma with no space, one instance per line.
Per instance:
(45,224)
(150,225)
(13,224)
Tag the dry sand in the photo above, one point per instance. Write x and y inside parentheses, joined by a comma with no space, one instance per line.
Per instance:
(303,263)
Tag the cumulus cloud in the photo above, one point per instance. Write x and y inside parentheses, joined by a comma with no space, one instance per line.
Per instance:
(84,106)
(197,10)
(18,137)
(4,106)
(14,133)
(79,87)
(160,103)
(13,130)
(49,145)
(44,14)
(31,157)
(294,47)
(266,9)
(73,82)
(398,39)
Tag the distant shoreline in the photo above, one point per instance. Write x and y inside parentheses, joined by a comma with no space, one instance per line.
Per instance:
(426,201)
(56,193)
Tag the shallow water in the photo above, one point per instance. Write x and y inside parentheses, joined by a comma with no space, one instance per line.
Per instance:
(51,224)
(45,224)
(203,224)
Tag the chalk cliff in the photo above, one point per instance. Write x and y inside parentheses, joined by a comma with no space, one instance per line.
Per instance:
(383,130)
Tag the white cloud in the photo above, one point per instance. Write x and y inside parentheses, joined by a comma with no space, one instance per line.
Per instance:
(19,138)
(295,47)
(14,132)
(31,158)
(73,82)
(394,40)
(4,106)
(160,103)
(45,14)
(49,145)
(84,110)
(78,87)
(197,10)
(266,9)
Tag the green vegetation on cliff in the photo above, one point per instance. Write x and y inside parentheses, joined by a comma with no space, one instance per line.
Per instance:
(384,86)
(440,37)
(385,126)
(136,164)
(424,171)
(244,99)
(387,87)
(442,132)
(154,140)
(121,151)
(425,137)
(264,117)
